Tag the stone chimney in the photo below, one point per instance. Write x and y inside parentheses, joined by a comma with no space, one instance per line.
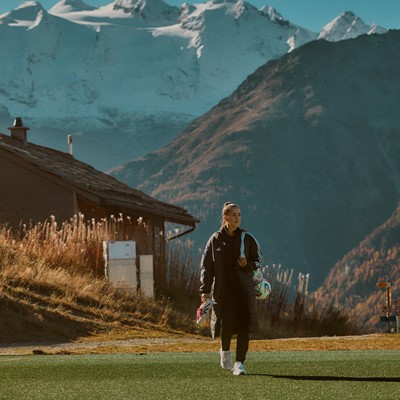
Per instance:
(18,130)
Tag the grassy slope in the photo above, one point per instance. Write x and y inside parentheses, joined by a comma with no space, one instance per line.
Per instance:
(45,296)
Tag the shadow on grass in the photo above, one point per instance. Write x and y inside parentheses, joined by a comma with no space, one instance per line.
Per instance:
(330,378)
(26,323)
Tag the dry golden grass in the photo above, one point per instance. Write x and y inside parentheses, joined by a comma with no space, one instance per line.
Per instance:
(50,288)
(131,342)
(365,342)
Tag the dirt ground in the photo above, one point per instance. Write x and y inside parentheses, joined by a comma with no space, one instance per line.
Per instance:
(104,344)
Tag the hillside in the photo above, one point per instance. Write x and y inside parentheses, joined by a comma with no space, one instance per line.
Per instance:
(352,281)
(307,145)
(50,296)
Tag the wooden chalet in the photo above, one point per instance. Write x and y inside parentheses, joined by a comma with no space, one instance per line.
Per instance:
(37,182)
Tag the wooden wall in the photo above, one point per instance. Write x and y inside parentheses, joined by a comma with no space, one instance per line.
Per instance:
(27,196)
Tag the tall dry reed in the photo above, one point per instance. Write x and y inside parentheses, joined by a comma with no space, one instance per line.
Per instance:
(77,243)
(287,312)
(53,274)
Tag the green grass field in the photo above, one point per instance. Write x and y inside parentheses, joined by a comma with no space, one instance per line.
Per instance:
(282,375)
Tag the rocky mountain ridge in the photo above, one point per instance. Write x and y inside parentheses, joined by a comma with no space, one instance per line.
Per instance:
(307,145)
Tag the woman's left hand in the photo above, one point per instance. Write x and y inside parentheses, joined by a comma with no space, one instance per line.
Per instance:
(242,262)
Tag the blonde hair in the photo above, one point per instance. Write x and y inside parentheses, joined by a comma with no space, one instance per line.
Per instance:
(225,210)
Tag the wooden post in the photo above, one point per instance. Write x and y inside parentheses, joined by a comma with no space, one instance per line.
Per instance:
(388,300)
(389,303)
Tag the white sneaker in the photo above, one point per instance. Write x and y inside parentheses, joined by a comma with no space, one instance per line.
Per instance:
(238,369)
(226,359)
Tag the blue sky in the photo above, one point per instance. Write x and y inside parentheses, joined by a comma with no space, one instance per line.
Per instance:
(311,14)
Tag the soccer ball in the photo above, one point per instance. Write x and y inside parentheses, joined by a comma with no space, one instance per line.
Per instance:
(262,286)
(204,310)
(263,289)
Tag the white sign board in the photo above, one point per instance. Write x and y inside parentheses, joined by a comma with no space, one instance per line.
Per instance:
(122,250)
(146,275)
(122,273)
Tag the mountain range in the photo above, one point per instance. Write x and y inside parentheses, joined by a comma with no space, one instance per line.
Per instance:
(352,282)
(128,77)
(308,145)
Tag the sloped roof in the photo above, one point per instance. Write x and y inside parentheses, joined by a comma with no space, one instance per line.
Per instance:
(87,180)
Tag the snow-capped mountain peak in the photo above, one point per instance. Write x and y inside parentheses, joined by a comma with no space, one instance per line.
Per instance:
(375,28)
(272,14)
(27,15)
(347,26)
(134,13)
(186,10)
(69,6)
(148,9)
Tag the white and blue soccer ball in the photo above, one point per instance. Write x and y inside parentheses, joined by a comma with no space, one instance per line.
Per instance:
(262,286)
(204,310)
(263,289)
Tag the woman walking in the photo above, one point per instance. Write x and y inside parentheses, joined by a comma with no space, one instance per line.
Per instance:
(230,257)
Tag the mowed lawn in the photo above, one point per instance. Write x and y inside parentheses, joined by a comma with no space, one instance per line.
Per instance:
(274,375)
